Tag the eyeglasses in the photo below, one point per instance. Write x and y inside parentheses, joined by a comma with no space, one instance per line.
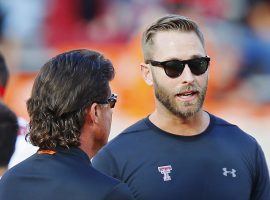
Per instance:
(174,68)
(111,100)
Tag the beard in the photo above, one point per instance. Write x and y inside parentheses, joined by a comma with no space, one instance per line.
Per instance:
(180,109)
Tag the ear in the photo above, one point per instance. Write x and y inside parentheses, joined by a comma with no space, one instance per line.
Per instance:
(146,73)
(93,114)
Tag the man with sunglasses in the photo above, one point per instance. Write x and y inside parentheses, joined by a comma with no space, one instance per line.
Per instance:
(181,151)
(70,111)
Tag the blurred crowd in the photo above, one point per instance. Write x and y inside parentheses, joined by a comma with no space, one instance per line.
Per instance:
(237,36)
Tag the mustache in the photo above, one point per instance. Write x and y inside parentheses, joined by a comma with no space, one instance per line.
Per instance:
(188,88)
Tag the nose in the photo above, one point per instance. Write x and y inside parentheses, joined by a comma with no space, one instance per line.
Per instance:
(187,76)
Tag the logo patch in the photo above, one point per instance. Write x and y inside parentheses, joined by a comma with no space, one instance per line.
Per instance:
(165,170)
(226,172)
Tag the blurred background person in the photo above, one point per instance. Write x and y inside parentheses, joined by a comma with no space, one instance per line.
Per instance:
(23,149)
(254,73)
(8,135)
(4,75)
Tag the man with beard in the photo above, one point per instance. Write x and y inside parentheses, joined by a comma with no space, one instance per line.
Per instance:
(70,112)
(181,151)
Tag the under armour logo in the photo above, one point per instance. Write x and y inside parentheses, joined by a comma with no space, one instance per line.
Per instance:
(165,170)
(226,172)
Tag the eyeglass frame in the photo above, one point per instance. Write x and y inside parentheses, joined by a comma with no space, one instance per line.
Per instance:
(112,100)
(162,65)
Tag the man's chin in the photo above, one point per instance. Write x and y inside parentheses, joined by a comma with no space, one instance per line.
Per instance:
(187,112)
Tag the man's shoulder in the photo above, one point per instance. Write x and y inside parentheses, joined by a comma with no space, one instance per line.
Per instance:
(133,131)
(97,184)
(127,140)
(12,174)
(232,131)
(102,180)
(84,181)
(44,166)
(138,126)
(120,191)
(218,121)
(23,167)
(113,188)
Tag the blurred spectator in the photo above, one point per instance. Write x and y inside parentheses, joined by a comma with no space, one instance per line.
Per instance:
(255,65)
(67,20)
(1,21)
(22,33)
(23,21)
(8,134)
(93,21)
(23,148)
(214,8)
(4,75)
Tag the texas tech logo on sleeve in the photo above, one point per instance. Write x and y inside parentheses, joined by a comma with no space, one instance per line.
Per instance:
(165,170)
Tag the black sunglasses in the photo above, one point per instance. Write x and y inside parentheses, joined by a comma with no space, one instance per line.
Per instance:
(174,68)
(111,100)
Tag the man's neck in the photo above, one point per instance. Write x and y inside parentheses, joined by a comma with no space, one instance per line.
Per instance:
(90,143)
(2,170)
(190,126)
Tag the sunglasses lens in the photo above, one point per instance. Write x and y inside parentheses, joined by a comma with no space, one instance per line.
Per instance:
(198,66)
(173,68)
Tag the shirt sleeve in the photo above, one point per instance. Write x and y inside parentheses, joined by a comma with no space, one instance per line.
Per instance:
(120,192)
(261,188)
(106,163)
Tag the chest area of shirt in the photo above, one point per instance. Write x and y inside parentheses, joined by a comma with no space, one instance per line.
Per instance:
(211,176)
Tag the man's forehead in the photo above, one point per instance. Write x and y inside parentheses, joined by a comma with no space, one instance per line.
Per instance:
(173,37)
(176,44)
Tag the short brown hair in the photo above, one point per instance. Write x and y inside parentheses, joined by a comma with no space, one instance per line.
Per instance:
(168,23)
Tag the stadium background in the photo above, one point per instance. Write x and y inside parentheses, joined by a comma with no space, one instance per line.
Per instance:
(237,37)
